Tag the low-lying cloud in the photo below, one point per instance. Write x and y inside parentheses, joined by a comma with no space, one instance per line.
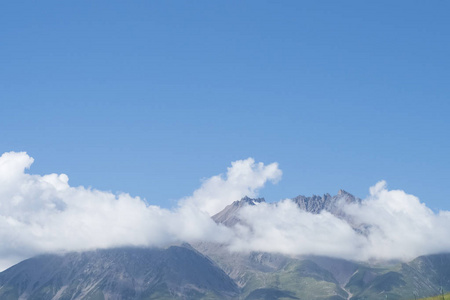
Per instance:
(389,225)
(43,213)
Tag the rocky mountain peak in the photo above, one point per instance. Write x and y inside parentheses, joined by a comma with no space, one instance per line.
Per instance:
(342,192)
(229,216)
(349,198)
(248,200)
(315,204)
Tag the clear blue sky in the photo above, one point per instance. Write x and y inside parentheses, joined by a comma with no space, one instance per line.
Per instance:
(148,97)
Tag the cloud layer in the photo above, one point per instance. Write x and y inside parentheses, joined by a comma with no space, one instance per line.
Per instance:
(395,226)
(45,214)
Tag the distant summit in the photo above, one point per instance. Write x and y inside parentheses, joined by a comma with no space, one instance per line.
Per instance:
(251,201)
(229,215)
(314,204)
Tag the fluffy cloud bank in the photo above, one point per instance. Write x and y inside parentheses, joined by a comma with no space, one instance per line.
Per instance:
(243,178)
(387,225)
(45,214)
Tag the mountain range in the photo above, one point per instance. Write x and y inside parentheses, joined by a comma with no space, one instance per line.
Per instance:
(208,270)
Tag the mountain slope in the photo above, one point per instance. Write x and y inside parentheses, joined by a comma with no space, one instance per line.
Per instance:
(125,273)
(229,216)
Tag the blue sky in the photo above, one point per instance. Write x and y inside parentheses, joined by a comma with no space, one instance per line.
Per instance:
(149,98)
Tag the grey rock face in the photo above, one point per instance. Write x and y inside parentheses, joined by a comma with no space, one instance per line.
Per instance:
(334,205)
(316,204)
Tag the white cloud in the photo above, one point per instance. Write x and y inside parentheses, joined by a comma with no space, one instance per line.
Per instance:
(45,214)
(285,228)
(398,226)
(244,178)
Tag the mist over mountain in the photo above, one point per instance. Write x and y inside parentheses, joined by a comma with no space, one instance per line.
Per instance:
(309,247)
(246,150)
(209,270)
(44,214)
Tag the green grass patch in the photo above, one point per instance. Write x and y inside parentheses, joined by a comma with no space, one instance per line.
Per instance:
(446,297)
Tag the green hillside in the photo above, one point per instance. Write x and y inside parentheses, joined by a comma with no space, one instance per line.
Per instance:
(446,297)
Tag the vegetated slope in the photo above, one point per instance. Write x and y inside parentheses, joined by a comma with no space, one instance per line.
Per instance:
(125,273)
(422,277)
(446,297)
